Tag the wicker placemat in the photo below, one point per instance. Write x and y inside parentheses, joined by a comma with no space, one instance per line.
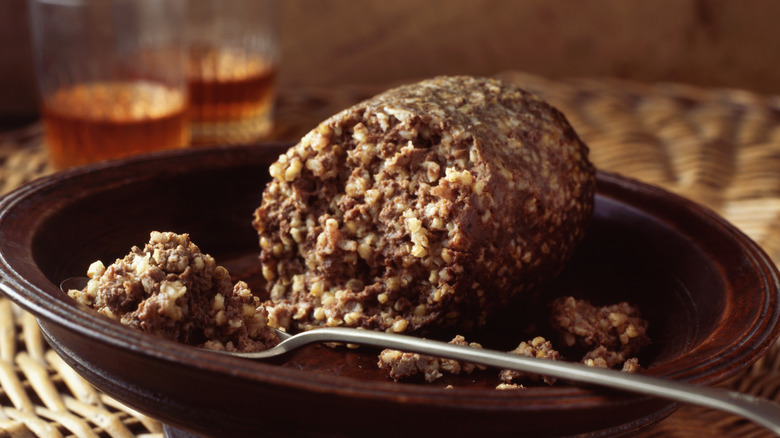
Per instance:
(718,147)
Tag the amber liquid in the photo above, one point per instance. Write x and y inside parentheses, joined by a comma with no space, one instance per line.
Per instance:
(99,121)
(231,97)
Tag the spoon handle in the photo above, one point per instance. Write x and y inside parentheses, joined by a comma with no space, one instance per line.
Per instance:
(761,411)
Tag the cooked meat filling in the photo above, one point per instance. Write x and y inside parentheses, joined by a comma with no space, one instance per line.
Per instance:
(430,205)
(171,289)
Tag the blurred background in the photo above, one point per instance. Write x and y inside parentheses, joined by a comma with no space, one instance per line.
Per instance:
(714,43)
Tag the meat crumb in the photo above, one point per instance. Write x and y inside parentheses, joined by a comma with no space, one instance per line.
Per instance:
(631,366)
(537,347)
(611,334)
(403,365)
(509,386)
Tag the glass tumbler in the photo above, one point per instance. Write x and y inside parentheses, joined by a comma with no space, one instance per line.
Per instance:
(112,77)
(232,69)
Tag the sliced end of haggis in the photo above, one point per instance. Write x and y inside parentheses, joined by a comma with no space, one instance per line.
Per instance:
(429,205)
(171,289)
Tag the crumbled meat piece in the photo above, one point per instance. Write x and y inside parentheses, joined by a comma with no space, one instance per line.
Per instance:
(632,365)
(432,204)
(171,289)
(600,357)
(403,365)
(618,327)
(509,386)
(537,347)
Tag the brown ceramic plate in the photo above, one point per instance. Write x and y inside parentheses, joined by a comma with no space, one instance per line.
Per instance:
(710,294)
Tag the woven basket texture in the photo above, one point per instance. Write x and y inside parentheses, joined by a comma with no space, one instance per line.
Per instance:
(718,147)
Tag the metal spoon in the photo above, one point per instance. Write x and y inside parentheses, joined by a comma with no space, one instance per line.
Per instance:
(761,411)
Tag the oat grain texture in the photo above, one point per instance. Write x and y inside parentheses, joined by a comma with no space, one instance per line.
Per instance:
(430,205)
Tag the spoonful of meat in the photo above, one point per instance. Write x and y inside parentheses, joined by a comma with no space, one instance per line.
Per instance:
(761,411)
